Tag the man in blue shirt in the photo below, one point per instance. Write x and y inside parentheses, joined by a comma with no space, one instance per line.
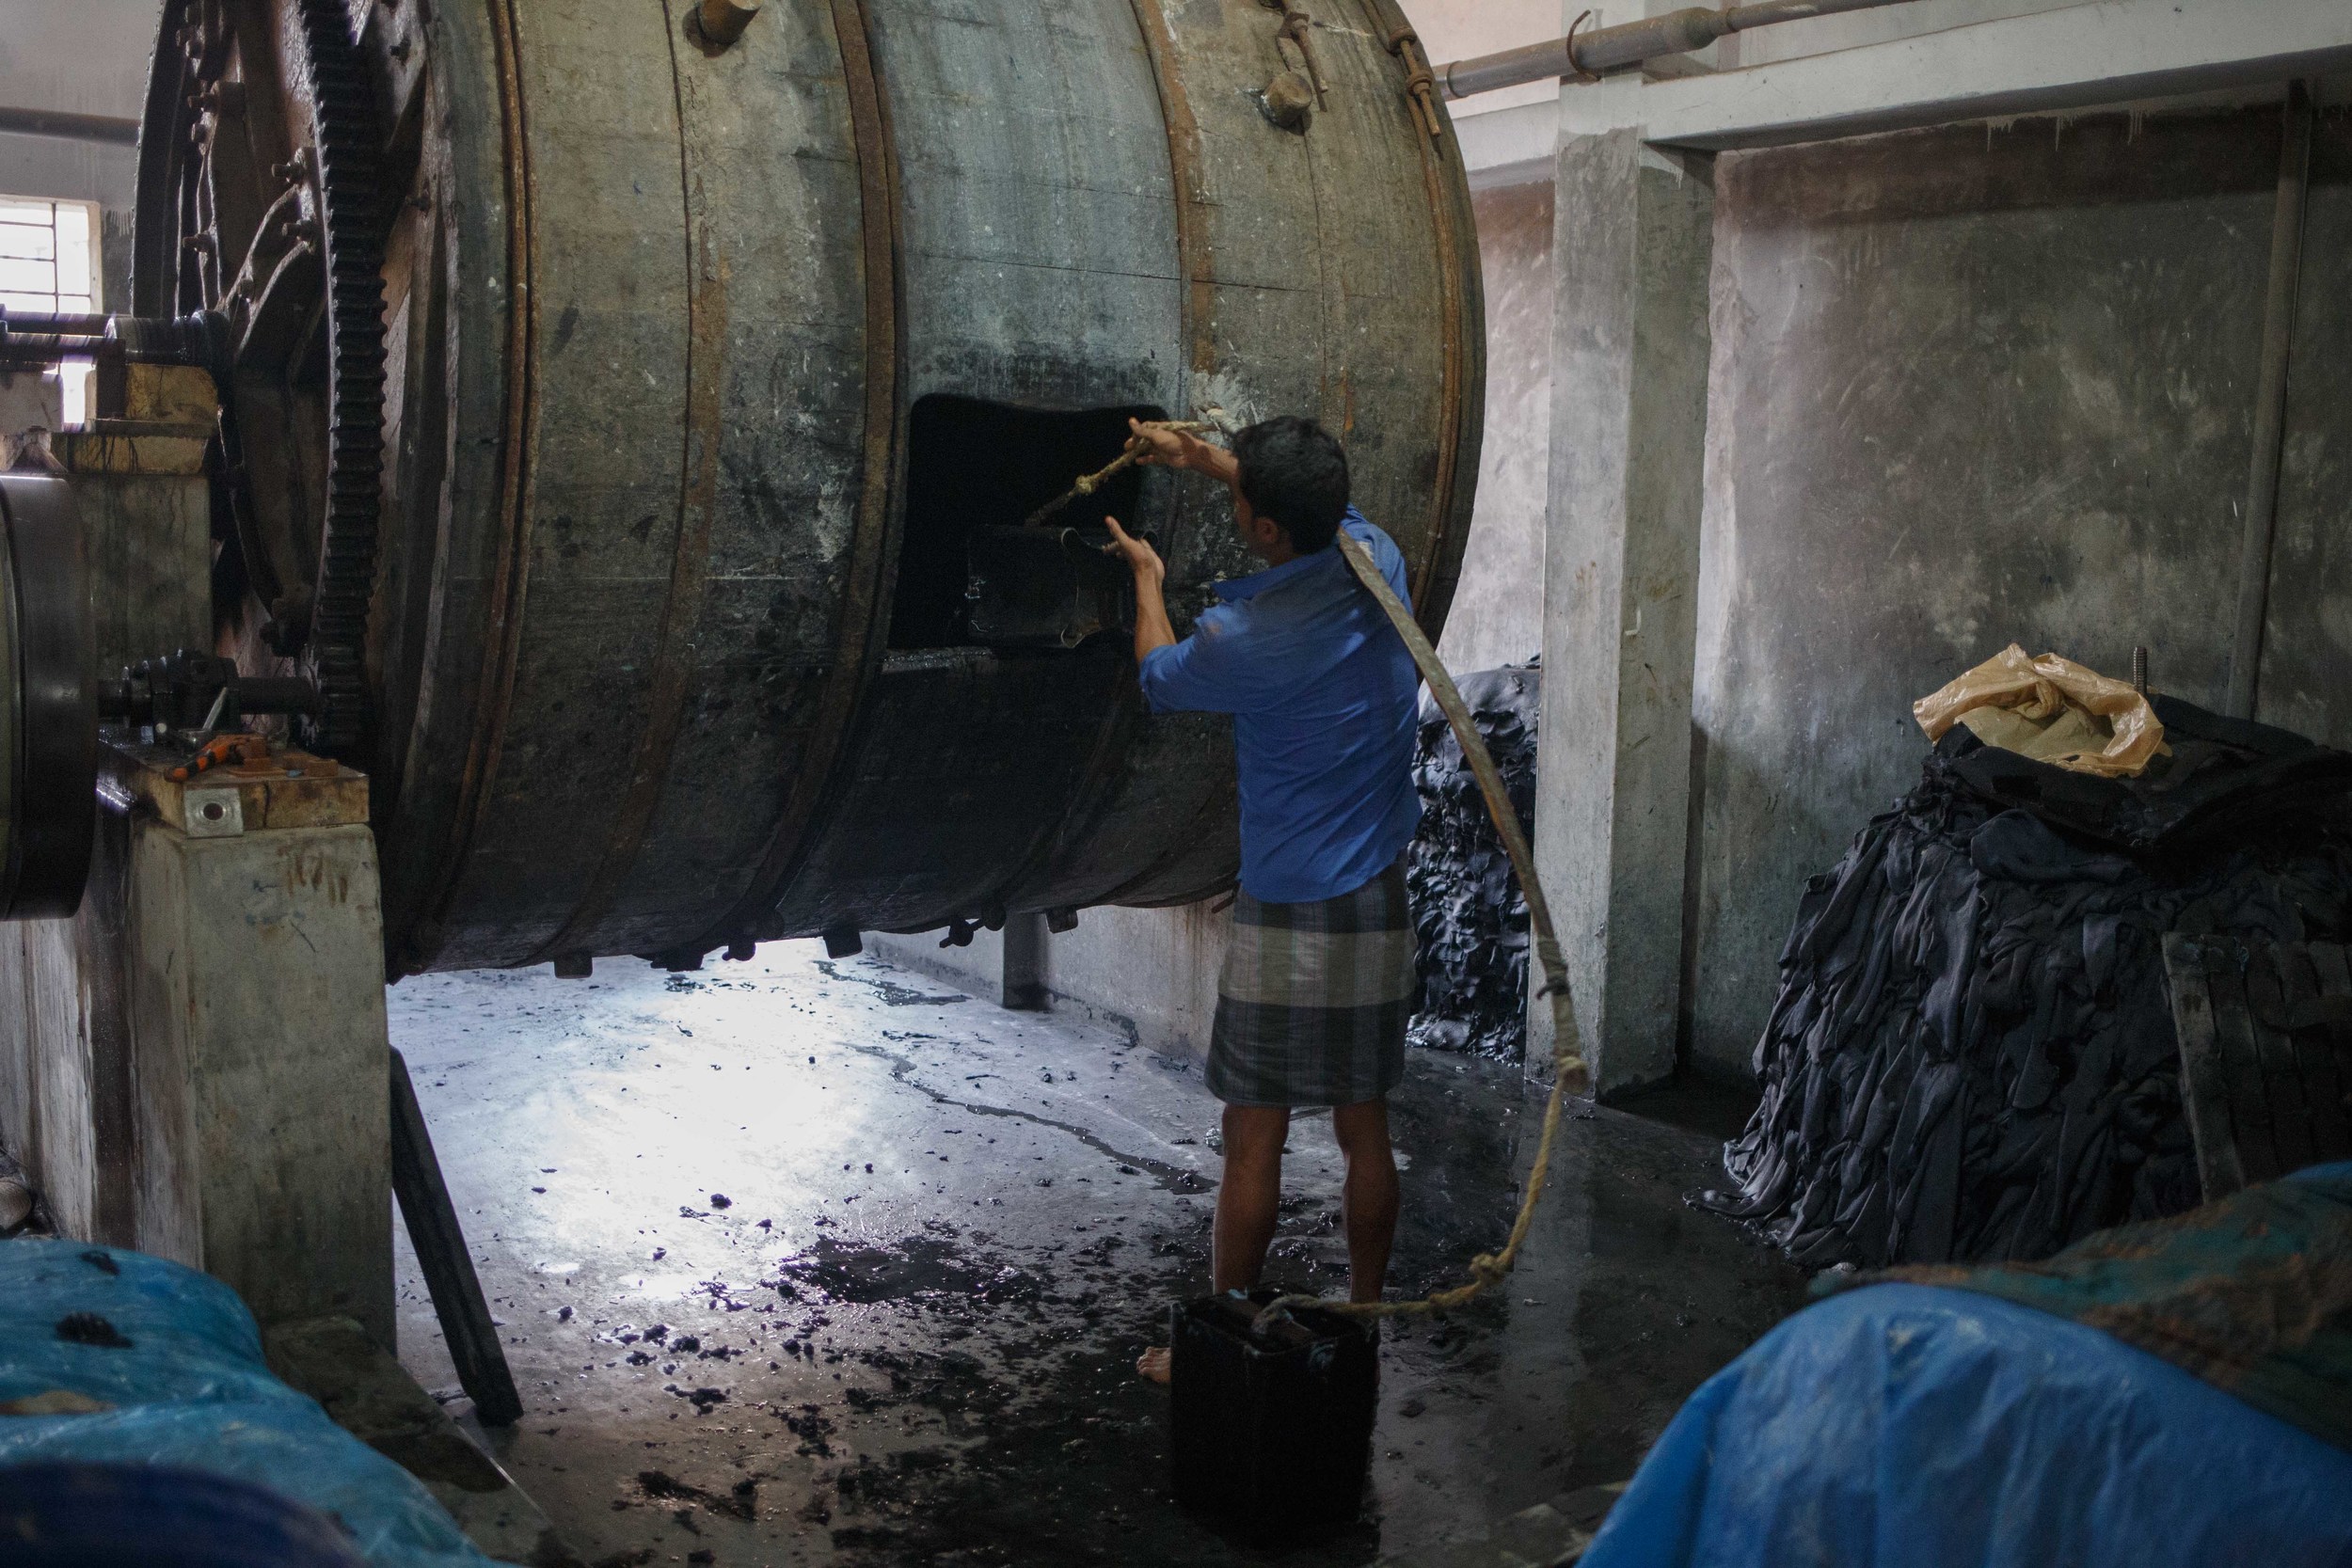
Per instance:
(1319,981)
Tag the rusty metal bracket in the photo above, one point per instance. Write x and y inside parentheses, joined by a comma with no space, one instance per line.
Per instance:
(1568,47)
(1421,82)
(1293,96)
(1298,26)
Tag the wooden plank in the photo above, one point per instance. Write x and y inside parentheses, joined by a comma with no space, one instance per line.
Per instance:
(2203,1080)
(2241,1057)
(2329,1076)
(150,551)
(171,394)
(2240,1054)
(2334,971)
(293,790)
(467,1326)
(2284,1091)
(132,447)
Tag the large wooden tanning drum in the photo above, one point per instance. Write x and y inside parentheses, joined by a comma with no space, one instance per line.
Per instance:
(630,425)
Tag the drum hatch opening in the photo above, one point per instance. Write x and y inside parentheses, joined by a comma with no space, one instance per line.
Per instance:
(977,468)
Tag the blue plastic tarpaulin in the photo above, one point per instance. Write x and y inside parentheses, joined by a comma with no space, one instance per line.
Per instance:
(189,1390)
(1913,1427)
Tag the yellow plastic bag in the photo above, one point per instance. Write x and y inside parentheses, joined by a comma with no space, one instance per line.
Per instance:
(2051,709)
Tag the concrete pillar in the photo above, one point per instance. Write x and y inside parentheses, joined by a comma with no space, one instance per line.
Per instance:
(1631,263)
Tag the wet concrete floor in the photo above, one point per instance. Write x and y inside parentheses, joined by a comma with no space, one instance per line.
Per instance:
(804,1261)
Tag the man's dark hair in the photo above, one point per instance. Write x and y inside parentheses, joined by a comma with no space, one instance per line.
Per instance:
(1293,471)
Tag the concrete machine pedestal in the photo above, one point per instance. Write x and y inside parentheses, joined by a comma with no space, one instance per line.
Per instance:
(201,1048)
(193,1053)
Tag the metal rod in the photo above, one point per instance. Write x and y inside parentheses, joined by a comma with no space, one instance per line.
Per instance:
(1616,48)
(449,1276)
(1086,484)
(67,126)
(36,339)
(30,337)
(41,321)
(21,351)
(2262,485)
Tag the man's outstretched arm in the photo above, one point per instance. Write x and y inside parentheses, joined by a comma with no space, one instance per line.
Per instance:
(1153,630)
(1157,446)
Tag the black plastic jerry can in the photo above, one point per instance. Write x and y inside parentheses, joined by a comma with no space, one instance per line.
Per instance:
(1273,1427)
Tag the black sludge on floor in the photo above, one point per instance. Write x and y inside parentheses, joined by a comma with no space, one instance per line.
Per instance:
(909,1337)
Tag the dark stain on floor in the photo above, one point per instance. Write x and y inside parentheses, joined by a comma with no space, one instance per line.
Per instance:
(909,1336)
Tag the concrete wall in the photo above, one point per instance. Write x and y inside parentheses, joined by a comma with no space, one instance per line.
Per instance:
(1498,612)
(2306,680)
(1149,972)
(88,58)
(1972,385)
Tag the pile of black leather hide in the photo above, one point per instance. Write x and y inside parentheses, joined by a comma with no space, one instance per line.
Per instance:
(1468,914)
(1972,1054)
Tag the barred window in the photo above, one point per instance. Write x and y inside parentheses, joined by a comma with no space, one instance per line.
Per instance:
(49,261)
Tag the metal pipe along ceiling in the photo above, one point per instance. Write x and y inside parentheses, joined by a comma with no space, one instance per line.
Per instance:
(1615,48)
(68,126)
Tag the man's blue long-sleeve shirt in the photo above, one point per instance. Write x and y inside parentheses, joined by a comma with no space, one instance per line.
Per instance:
(1324,701)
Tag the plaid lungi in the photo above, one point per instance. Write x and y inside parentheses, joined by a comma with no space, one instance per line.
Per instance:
(1314,998)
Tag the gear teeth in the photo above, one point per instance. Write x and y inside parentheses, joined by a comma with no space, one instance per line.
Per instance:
(347,133)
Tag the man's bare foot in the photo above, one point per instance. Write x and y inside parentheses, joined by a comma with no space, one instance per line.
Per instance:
(1152,1366)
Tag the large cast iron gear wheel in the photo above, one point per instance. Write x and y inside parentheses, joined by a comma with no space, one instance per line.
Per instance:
(263,141)
(347,137)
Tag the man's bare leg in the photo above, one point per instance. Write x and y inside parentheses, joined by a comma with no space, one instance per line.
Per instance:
(1368,1199)
(1252,1195)
(1248,1202)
